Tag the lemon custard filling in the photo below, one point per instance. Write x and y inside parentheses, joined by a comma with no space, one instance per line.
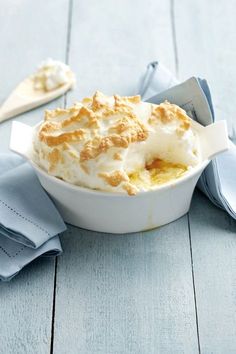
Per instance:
(157,173)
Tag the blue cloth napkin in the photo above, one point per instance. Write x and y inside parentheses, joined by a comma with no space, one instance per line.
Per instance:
(29,221)
(218,180)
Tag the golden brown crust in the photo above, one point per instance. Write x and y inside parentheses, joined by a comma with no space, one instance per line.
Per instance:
(115,178)
(122,125)
(84,168)
(69,137)
(73,154)
(75,118)
(54,157)
(87,100)
(167,112)
(130,188)
(98,101)
(58,112)
(75,114)
(86,113)
(117,156)
(133,99)
(97,146)
(125,100)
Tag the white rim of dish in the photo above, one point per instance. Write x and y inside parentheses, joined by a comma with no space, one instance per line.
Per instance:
(86,190)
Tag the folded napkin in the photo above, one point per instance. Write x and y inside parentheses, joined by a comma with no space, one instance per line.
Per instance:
(29,221)
(218,180)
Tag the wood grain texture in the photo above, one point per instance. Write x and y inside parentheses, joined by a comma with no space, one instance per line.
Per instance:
(111,44)
(26,310)
(123,294)
(30,32)
(206,44)
(205,34)
(213,235)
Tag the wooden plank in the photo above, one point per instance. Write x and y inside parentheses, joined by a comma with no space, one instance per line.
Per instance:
(113,43)
(30,32)
(213,246)
(26,309)
(206,41)
(123,294)
(206,45)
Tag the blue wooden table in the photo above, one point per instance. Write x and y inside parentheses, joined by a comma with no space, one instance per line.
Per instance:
(169,290)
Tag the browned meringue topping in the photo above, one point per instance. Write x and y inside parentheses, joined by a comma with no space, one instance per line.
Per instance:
(166,112)
(99,131)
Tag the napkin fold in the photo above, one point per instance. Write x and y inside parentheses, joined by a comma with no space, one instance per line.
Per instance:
(218,180)
(29,221)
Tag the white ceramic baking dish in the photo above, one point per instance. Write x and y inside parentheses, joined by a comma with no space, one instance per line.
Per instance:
(118,213)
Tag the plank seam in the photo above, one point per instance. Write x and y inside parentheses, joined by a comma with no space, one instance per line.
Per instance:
(68,41)
(174,36)
(53,307)
(194,287)
(173,28)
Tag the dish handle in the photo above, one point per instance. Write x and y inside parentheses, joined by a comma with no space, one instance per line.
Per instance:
(215,139)
(21,139)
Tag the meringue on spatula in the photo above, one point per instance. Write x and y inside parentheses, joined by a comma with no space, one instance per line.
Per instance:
(51,80)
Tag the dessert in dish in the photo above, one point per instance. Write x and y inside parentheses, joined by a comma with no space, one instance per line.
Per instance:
(52,74)
(109,144)
(117,144)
